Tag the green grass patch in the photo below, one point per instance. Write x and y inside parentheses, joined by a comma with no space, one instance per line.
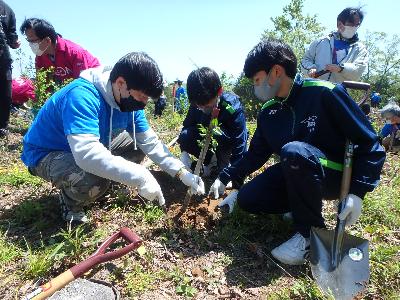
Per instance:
(29,212)
(148,213)
(183,285)
(76,243)
(40,261)
(141,279)
(8,251)
(16,175)
(240,224)
(301,289)
(385,271)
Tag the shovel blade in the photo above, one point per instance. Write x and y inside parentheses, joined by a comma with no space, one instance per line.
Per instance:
(351,276)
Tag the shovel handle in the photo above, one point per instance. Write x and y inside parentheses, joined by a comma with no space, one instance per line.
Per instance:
(344,191)
(346,180)
(55,284)
(100,256)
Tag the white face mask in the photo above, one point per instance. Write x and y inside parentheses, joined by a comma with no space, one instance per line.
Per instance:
(349,31)
(388,122)
(35,49)
(264,91)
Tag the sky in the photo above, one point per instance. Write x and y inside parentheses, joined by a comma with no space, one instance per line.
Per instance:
(181,35)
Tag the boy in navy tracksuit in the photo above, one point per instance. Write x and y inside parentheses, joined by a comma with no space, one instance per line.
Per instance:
(205,92)
(306,123)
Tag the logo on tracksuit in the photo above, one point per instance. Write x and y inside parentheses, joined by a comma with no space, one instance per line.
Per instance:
(62,71)
(310,122)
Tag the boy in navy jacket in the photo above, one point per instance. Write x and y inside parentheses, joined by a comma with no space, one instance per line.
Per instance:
(205,92)
(306,122)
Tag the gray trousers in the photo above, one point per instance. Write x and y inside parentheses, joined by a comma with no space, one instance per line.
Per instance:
(80,188)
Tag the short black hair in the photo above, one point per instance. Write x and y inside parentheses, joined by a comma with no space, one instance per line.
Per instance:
(202,85)
(349,13)
(140,72)
(41,27)
(266,54)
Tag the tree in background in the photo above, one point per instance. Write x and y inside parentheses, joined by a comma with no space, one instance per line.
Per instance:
(295,29)
(383,71)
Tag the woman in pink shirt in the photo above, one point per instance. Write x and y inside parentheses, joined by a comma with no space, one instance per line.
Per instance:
(51,50)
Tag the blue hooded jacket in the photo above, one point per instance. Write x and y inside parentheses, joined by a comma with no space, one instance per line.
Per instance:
(323,115)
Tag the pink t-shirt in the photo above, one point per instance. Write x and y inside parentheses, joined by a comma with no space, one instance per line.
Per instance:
(70,60)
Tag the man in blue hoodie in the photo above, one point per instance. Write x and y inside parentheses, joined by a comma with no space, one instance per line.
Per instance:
(305,122)
(87,134)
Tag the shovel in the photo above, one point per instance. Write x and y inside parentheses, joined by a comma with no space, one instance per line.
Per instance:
(340,261)
(81,268)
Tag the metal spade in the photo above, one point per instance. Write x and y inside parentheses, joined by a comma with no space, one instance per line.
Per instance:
(340,261)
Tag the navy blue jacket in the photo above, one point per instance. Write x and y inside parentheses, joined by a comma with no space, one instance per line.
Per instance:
(321,114)
(8,35)
(231,120)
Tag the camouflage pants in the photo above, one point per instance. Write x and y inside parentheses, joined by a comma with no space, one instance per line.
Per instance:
(80,188)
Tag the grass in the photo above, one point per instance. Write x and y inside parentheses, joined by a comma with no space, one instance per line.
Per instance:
(140,279)
(182,283)
(39,262)
(149,213)
(8,251)
(227,252)
(17,175)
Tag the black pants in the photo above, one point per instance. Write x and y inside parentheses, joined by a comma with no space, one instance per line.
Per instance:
(297,184)
(5,98)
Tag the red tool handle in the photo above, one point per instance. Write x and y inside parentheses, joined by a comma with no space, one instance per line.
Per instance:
(100,256)
(55,284)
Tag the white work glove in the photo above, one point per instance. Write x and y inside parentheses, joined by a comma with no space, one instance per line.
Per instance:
(186,160)
(192,181)
(217,188)
(151,190)
(352,211)
(230,200)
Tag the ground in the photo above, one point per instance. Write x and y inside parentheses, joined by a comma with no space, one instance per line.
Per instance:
(207,254)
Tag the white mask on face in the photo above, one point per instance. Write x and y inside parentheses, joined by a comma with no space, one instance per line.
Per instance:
(388,122)
(35,48)
(349,31)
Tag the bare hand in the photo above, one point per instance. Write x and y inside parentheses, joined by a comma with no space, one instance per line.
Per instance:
(333,68)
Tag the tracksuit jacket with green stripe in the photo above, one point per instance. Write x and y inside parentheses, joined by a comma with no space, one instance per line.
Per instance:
(323,115)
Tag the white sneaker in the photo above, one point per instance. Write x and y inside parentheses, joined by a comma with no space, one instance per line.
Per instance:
(69,215)
(293,251)
(78,217)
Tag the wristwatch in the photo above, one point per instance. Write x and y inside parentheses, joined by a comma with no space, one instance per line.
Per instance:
(341,66)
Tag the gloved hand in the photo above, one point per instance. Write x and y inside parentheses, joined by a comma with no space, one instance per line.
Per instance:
(192,181)
(151,190)
(186,160)
(230,200)
(217,188)
(352,211)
